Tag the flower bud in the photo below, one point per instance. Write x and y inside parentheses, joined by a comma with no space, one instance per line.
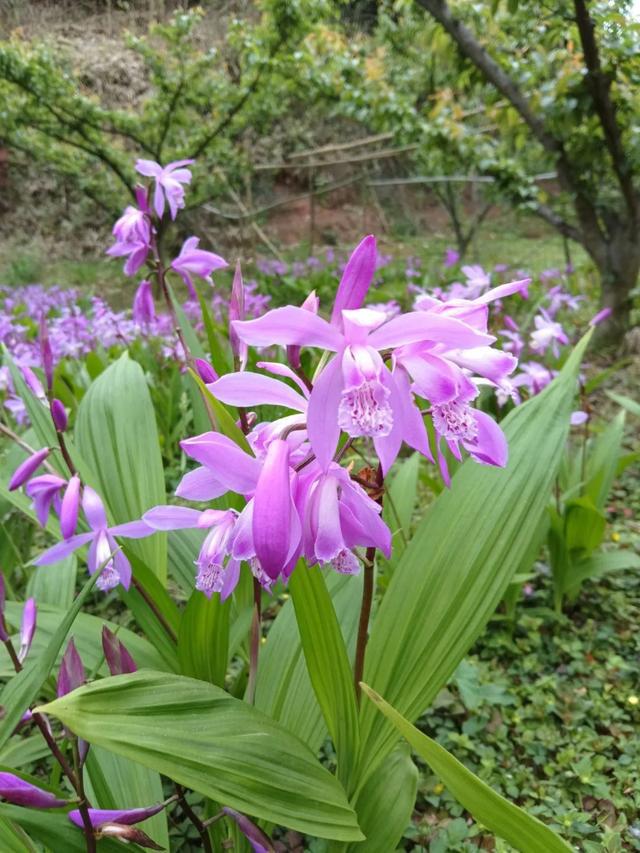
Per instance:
(122,817)
(144,310)
(70,507)
(71,673)
(58,415)
(205,370)
(128,835)
(27,468)
(46,353)
(27,628)
(116,655)
(600,317)
(15,790)
(254,835)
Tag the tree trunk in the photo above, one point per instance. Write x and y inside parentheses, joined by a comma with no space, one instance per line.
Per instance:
(618,263)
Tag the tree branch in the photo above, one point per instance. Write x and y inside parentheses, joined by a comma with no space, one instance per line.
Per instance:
(565,228)
(599,85)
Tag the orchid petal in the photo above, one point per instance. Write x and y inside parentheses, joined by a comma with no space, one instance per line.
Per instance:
(322,414)
(485,361)
(63,549)
(504,290)
(426,326)
(272,510)
(289,325)
(200,485)
(490,445)
(280,369)
(172,517)
(230,465)
(356,278)
(148,168)
(94,509)
(132,530)
(253,389)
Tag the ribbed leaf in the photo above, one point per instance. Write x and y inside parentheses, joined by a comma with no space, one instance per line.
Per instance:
(202,738)
(401,494)
(116,432)
(385,804)
(327,663)
(24,687)
(460,562)
(54,584)
(284,690)
(601,564)
(525,832)
(203,641)
(602,461)
(13,839)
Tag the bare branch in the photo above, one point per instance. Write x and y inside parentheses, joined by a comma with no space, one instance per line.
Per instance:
(553,218)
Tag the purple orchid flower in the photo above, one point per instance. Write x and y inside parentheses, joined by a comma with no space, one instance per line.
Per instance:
(547,334)
(254,835)
(169,183)
(451,258)
(338,517)
(116,654)
(133,239)
(15,790)
(144,310)
(104,553)
(533,376)
(44,492)
(267,533)
(194,261)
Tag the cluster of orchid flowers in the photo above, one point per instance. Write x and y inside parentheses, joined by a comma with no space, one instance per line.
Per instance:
(378,382)
(121,824)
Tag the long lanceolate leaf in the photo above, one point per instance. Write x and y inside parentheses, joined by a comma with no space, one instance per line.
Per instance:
(21,691)
(199,736)
(116,433)
(460,562)
(327,663)
(503,818)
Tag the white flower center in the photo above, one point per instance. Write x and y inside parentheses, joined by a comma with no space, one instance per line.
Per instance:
(455,420)
(365,410)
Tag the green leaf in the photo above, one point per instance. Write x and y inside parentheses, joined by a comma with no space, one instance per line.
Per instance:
(13,839)
(327,663)
(627,403)
(24,687)
(584,526)
(203,640)
(284,689)
(506,820)
(385,804)
(183,545)
(461,560)
(54,584)
(400,499)
(116,432)
(601,564)
(114,782)
(602,461)
(202,738)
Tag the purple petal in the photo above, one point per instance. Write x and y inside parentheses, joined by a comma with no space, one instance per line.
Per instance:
(322,414)
(415,432)
(600,316)
(230,465)
(200,485)
(70,507)
(289,325)
(27,627)
(58,415)
(485,361)
(272,510)
(172,517)
(490,446)
(148,168)
(131,530)
(329,540)
(436,379)
(254,389)
(503,290)
(15,790)
(356,278)
(158,200)
(63,549)
(30,465)
(417,326)
(122,567)
(254,835)
(71,673)
(388,446)
(94,509)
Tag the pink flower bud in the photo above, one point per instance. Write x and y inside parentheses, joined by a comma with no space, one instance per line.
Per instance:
(58,415)
(144,310)
(116,655)
(205,371)
(254,835)
(71,673)
(27,628)
(600,316)
(27,468)
(70,507)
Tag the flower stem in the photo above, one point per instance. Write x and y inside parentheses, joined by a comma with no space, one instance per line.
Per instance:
(155,610)
(254,642)
(195,820)
(83,806)
(365,614)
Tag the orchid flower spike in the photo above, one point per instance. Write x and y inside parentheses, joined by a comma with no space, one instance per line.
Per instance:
(194,261)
